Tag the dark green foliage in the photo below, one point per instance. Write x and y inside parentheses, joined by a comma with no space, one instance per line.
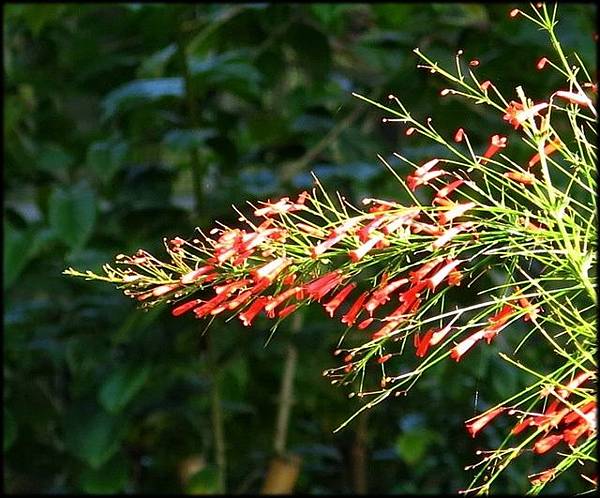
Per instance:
(124,123)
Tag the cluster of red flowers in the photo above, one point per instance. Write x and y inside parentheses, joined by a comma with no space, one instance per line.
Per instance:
(496,323)
(561,421)
(238,249)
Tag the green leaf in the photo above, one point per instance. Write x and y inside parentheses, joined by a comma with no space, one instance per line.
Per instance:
(92,435)
(204,482)
(462,15)
(10,429)
(53,159)
(19,248)
(412,446)
(121,386)
(143,89)
(106,157)
(112,477)
(38,16)
(227,71)
(312,49)
(187,139)
(72,214)
(154,65)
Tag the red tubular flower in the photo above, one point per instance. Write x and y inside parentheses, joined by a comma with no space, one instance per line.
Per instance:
(287,310)
(194,275)
(386,330)
(454,278)
(542,477)
(571,417)
(338,299)
(223,255)
(475,424)
(485,85)
(423,344)
(350,317)
(185,307)
(357,254)
(242,257)
(384,358)
(421,170)
(410,301)
(439,335)
(510,114)
(240,299)
(526,422)
(275,301)
(442,273)
(308,229)
(547,443)
(281,206)
(458,210)
(493,330)
(413,293)
(445,191)
(503,315)
(365,323)
(270,270)
(574,98)
(516,114)
(497,142)
(574,384)
(572,434)
(557,417)
(548,149)
(322,285)
(161,290)
(231,287)
(302,196)
(210,305)
(524,178)
(423,271)
(449,234)
(381,296)
(320,248)
(414,180)
(344,227)
(251,240)
(459,135)
(404,218)
(363,233)
(463,346)
(541,63)
(532,312)
(255,308)
(417,227)
(289,279)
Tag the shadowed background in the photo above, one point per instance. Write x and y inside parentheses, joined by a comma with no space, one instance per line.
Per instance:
(124,124)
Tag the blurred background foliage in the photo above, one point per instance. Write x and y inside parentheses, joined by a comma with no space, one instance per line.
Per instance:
(125,123)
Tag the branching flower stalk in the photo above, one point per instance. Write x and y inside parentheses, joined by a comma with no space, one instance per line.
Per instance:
(388,271)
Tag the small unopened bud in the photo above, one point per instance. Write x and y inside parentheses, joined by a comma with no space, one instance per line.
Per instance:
(541,63)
